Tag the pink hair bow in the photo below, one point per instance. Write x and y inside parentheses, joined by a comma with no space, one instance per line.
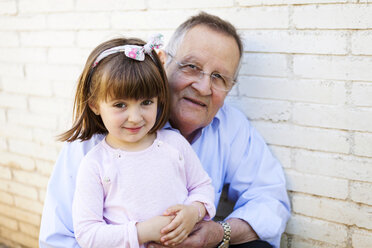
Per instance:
(133,51)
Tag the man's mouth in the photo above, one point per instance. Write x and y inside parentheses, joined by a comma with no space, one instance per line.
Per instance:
(195,101)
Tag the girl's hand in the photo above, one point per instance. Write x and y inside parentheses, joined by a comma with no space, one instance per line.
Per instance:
(180,227)
(149,230)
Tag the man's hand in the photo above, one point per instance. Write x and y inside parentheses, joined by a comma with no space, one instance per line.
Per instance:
(206,234)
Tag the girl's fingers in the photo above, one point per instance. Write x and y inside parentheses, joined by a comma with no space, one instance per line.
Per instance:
(177,221)
(176,237)
(173,210)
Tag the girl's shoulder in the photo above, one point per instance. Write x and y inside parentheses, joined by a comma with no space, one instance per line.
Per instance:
(172,138)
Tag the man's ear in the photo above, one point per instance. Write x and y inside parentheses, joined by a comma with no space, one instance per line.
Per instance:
(162,56)
(94,108)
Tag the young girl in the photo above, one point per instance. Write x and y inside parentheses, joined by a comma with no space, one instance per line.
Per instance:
(140,183)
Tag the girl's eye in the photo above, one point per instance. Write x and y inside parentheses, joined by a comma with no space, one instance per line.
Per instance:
(119,105)
(147,102)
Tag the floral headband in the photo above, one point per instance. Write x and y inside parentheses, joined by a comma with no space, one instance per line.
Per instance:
(133,51)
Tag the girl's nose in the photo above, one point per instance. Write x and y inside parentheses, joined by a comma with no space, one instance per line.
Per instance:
(134,115)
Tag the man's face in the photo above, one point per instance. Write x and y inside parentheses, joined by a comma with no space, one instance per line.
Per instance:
(194,103)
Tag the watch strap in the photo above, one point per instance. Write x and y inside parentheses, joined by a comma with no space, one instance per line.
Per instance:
(226,234)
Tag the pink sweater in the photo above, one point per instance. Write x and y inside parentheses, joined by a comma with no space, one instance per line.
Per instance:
(115,189)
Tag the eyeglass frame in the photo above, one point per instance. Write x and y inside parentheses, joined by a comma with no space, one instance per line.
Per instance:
(227,79)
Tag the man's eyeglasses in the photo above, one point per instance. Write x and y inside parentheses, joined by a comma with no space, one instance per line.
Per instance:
(193,72)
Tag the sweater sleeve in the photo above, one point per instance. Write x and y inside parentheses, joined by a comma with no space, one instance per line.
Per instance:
(91,230)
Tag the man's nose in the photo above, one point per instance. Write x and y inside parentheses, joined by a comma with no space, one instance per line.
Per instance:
(203,84)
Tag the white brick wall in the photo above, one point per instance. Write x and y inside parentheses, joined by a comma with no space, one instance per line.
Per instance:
(305,83)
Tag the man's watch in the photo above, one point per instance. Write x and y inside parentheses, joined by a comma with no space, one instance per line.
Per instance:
(226,234)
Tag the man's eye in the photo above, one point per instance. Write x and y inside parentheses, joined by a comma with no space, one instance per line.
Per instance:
(147,102)
(193,67)
(217,76)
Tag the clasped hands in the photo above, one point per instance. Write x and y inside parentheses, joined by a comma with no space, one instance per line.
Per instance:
(173,227)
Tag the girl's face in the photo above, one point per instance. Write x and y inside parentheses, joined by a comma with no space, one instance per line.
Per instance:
(128,121)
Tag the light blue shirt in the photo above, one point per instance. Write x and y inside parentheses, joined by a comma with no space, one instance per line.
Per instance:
(231,151)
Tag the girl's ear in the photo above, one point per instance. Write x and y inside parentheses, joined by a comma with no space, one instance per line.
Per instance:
(162,56)
(94,108)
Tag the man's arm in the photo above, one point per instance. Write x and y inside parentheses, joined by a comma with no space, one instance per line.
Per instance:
(56,228)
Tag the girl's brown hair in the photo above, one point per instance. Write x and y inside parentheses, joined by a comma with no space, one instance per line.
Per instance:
(116,77)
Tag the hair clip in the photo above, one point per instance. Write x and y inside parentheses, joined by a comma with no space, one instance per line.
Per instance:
(133,51)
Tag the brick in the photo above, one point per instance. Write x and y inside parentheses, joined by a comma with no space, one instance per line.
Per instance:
(49,106)
(311,138)
(17,161)
(192,4)
(64,89)
(333,16)
(28,119)
(331,67)
(283,154)
(44,167)
(13,101)
(332,117)
(42,195)
(68,56)
(19,238)
(18,214)
(315,184)
(42,6)
(298,242)
(317,229)
(9,69)
(257,109)
(361,94)
(5,172)
(6,198)
(282,41)
(315,91)
(15,131)
(77,21)
(64,72)
(333,165)
(30,87)
(19,189)
(360,41)
(9,39)
(23,22)
(92,38)
(8,223)
(361,238)
(149,20)
(97,5)
(32,149)
(363,144)
(255,18)
(28,205)
(23,55)
(277,2)
(47,39)
(361,192)
(8,7)
(342,212)
(30,178)
(44,136)
(3,144)
(2,116)
(264,65)
(30,230)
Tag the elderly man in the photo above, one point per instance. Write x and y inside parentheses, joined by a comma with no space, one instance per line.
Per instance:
(201,61)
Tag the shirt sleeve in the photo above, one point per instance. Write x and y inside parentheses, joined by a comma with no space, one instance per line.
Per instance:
(198,182)
(56,229)
(91,230)
(257,184)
